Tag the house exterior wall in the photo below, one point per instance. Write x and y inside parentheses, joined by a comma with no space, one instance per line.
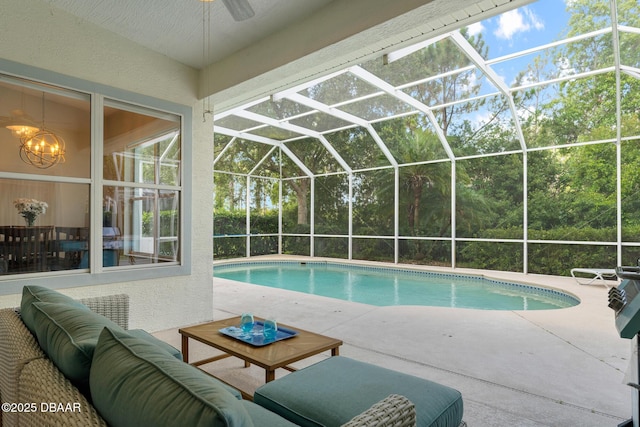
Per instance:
(36,35)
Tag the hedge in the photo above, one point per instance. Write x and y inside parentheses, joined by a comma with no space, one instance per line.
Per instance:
(543,258)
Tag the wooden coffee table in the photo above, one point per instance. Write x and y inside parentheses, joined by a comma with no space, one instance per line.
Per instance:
(279,354)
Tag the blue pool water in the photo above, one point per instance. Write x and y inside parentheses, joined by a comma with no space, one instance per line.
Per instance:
(391,286)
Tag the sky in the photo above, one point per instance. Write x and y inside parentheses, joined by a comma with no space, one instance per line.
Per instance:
(533,25)
(530,26)
(527,27)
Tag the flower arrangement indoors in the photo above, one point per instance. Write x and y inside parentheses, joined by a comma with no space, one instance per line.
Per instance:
(29,209)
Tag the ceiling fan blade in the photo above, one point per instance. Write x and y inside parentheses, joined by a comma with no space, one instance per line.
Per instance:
(239,9)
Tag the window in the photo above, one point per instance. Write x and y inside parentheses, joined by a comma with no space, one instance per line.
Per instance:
(141,193)
(57,238)
(60,218)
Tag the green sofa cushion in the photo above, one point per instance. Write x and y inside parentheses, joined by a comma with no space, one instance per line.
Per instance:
(68,335)
(134,383)
(142,334)
(335,390)
(32,293)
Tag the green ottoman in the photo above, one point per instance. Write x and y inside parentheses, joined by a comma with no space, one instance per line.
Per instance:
(335,390)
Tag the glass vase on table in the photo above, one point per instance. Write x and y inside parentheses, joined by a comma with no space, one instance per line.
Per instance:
(29,218)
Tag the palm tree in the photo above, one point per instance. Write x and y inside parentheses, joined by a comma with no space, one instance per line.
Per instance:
(421,182)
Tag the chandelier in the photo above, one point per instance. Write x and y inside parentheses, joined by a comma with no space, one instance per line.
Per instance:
(40,147)
(43,149)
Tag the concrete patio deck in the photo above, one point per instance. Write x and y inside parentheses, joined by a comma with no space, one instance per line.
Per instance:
(561,367)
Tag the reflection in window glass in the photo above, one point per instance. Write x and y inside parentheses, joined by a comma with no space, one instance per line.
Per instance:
(141,227)
(141,223)
(141,148)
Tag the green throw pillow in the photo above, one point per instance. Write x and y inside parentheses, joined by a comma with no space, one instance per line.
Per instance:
(31,294)
(141,333)
(134,383)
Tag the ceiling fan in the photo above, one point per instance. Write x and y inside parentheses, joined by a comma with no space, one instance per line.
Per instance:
(239,9)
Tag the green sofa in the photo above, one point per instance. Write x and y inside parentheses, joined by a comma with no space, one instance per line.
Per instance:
(75,363)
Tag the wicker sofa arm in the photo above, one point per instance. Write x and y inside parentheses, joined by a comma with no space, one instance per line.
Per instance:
(393,411)
(42,384)
(113,307)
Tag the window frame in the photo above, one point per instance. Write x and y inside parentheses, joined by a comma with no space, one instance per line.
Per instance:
(97,274)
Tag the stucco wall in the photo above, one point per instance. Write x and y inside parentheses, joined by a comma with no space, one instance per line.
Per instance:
(34,34)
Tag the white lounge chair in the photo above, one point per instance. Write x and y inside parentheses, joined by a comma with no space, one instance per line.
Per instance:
(600,275)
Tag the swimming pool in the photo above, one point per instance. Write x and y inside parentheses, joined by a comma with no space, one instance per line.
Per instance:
(382,286)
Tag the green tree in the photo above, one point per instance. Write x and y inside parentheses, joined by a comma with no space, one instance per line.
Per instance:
(418,179)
